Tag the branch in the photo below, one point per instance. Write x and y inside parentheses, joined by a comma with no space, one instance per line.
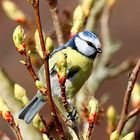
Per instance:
(17,130)
(64,97)
(46,65)
(89,132)
(29,66)
(95,11)
(46,132)
(56,21)
(123,67)
(129,89)
(131,121)
(133,113)
(8,117)
(109,49)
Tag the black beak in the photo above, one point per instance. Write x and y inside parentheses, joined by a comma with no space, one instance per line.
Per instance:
(99,50)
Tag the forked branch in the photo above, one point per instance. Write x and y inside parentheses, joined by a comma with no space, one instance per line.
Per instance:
(124,113)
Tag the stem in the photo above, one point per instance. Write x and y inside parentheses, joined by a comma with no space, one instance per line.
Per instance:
(123,67)
(94,15)
(17,130)
(64,98)
(29,67)
(56,21)
(14,126)
(129,89)
(47,131)
(102,71)
(90,127)
(133,113)
(46,65)
(69,109)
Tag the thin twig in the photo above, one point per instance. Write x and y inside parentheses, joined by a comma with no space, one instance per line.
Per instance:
(56,21)
(64,98)
(46,65)
(92,123)
(47,131)
(94,15)
(29,67)
(89,132)
(123,67)
(133,113)
(109,49)
(11,121)
(27,63)
(17,130)
(69,108)
(129,89)
(131,120)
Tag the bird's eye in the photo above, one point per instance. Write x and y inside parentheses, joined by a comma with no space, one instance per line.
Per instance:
(89,43)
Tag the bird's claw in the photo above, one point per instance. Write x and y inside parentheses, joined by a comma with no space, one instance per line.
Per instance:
(72,115)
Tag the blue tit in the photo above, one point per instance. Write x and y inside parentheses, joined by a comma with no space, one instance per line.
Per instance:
(80,52)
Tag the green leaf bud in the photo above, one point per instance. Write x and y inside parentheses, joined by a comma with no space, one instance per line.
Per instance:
(49,45)
(13,11)
(129,136)
(19,38)
(20,94)
(114,136)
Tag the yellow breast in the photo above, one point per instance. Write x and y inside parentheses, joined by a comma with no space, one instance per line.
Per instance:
(75,60)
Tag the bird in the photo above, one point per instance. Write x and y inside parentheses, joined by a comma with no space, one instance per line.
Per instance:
(80,52)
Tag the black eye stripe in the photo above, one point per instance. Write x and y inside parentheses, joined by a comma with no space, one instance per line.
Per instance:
(88,42)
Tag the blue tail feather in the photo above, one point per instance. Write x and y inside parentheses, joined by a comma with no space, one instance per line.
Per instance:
(29,111)
(34,110)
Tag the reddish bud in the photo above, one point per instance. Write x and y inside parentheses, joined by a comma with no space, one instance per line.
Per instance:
(92,117)
(7,113)
(72,35)
(0,113)
(19,20)
(62,80)
(42,130)
(22,49)
(8,116)
(24,45)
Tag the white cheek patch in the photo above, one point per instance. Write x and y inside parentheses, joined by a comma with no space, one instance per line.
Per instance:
(83,47)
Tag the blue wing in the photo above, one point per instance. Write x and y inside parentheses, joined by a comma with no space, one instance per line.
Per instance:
(70,43)
(57,49)
(72,72)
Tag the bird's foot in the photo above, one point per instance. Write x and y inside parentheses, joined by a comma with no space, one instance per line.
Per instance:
(73,114)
